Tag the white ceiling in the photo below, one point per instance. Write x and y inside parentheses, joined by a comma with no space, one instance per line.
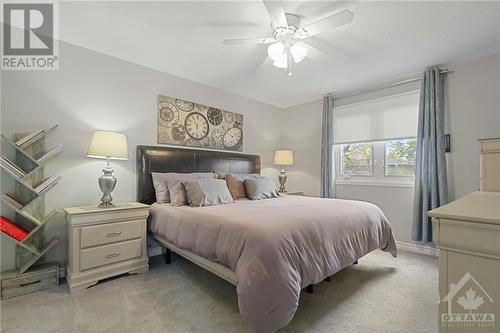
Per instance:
(386,40)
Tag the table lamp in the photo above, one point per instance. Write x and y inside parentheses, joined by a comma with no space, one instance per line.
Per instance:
(283,157)
(111,146)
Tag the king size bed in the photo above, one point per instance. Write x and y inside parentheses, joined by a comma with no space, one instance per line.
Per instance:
(270,249)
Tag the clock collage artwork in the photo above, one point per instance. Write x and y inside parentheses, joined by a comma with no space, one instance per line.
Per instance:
(190,124)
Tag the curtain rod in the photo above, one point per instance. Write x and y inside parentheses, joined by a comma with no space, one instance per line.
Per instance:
(385,85)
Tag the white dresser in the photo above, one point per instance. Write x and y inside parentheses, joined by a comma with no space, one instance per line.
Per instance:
(490,165)
(104,242)
(467,232)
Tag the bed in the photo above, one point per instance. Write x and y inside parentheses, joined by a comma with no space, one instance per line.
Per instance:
(270,249)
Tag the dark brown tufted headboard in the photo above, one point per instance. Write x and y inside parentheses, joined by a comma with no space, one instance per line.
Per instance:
(169,159)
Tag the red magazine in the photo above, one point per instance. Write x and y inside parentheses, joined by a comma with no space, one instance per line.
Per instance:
(11,229)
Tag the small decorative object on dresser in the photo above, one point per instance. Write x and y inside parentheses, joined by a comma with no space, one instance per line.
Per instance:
(105,243)
(283,157)
(111,146)
(490,165)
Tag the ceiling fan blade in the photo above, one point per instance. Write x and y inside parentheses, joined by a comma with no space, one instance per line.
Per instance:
(276,12)
(330,22)
(320,46)
(317,52)
(247,41)
(330,50)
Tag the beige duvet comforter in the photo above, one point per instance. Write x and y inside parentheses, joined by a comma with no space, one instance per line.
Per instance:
(276,247)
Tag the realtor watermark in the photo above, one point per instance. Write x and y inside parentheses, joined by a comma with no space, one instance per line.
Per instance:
(468,305)
(30,35)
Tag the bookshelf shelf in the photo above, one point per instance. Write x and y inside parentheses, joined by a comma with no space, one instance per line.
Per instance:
(25,245)
(24,213)
(21,181)
(39,226)
(41,135)
(35,257)
(28,156)
(47,184)
(48,155)
(25,165)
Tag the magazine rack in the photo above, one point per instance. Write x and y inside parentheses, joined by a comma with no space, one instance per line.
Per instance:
(23,160)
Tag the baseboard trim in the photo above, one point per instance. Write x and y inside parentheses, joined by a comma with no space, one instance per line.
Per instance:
(417,248)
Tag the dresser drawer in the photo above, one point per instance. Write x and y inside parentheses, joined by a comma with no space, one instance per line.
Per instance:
(109,254)
(110,233)
(38,278)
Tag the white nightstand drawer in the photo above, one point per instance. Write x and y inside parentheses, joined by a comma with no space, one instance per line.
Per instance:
(110,233)
(108,254)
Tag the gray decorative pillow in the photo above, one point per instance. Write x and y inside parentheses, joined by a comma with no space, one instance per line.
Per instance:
(160,182)
(207,192)
(260,188)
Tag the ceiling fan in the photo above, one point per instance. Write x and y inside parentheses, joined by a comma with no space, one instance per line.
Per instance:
(289,41)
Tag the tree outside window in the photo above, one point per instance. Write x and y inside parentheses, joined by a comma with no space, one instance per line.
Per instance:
(400,157)
(357,159)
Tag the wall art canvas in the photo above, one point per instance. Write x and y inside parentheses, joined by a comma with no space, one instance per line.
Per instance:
(190,124)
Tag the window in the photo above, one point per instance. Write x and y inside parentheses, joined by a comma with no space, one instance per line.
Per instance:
(357,159)
(400,157)
(374,133)
(390,162)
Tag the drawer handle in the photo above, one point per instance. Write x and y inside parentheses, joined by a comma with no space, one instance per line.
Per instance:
(29,283)
(113,255)
(113,234)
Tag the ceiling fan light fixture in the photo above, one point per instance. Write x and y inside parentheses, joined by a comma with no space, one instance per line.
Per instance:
(281,62)
(276,51)
(298,51)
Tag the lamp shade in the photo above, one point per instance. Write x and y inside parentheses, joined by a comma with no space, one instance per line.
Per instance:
(283,157)
(107,144)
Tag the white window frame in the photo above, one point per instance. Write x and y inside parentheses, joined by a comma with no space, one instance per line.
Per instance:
(379,178)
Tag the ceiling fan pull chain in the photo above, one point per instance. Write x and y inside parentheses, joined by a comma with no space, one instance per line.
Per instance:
(289,63)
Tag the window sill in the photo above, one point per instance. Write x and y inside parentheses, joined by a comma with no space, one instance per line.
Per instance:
(373,183)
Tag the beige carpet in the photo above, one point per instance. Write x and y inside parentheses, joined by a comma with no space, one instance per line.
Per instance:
(381,294)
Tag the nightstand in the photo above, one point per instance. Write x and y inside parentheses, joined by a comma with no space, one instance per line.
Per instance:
(104,242)
(293,192)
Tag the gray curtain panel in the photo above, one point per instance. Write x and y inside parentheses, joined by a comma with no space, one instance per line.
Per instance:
(430,179)
(327,161)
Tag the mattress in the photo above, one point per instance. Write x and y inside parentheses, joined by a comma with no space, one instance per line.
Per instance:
(276,247)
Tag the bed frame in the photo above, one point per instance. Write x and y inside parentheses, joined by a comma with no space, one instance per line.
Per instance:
(169,159)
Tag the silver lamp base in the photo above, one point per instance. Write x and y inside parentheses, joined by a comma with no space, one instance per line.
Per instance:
(282,179)
(107,183)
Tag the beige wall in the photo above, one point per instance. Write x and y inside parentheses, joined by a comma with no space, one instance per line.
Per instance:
(302,134)
(473,109)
